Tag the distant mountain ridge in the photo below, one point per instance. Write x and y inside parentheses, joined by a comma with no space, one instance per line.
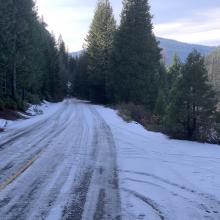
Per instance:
(76,54)
(170,47)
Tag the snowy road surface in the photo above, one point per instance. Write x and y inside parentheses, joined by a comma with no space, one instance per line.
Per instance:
(62,167)
(80,161)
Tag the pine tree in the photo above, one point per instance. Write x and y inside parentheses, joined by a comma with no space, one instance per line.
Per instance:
(163,91)
(174,71)
(160,106)
(99,49)
(23,16)
(81,79)
(6,36)
(136,56)
(63,67)
(193,102)
(72,70)
(30,63)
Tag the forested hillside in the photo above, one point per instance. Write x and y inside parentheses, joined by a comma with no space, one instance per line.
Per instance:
(171,47)
(213,66)
(33,64)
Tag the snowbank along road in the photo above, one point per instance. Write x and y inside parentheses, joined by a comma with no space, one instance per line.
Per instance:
(163,179)
(80,161)
(61,167)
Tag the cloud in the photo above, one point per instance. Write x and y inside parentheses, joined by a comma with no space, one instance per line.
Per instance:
(72,19)
(68,18)
(203,28)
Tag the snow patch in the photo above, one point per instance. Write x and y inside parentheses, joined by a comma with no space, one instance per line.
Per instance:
(162,178)
(34,114)
(34,110)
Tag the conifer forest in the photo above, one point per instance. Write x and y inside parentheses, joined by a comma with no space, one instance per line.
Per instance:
(121,65)
(125,125)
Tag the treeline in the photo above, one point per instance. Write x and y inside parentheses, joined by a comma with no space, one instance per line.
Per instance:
(33,64)
(120,66)
(123,66)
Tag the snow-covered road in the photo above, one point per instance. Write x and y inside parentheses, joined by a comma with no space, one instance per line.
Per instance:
(80,161)
(60,167)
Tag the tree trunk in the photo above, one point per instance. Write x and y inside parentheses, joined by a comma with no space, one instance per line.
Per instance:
(188,127)
(194,119)
(14,59)
(14,80)
(23,93)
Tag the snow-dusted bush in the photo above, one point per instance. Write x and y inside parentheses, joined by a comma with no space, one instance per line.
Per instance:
(132,112)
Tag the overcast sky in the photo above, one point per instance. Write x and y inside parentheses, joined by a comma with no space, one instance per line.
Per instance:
(193,21)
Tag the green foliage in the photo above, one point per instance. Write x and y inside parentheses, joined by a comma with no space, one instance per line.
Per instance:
(174,71)
(213,65)
(217,117)
(10,104)
(99,49)
(33,99)
(123,66)
(193,102)
(131,111)
(31,61)
(135,56)
(118,66)
(2,104)
(160,106)
(81,77)
(21,105)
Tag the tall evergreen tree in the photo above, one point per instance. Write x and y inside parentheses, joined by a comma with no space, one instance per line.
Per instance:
(174,71)
(7,11)
(136,56)
(193,102)
(31,67)
(23,17)
(81,79)
(163,92)
(5,34)
(99,49)
(63,67)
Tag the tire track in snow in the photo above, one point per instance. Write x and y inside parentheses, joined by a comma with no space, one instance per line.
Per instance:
(14,136)
(19,172)
(207,203)
(33,155)
(100,179)
(149,202)
(19,203)
(78,164)
(172,184)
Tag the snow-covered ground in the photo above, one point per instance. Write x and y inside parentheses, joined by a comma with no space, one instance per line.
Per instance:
(62,165)
(3,123)
(35,114)
(162,178)
(32,114)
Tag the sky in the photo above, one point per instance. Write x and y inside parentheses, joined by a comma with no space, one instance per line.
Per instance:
(191,21)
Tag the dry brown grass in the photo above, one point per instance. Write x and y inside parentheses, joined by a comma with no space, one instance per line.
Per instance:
(9,115)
